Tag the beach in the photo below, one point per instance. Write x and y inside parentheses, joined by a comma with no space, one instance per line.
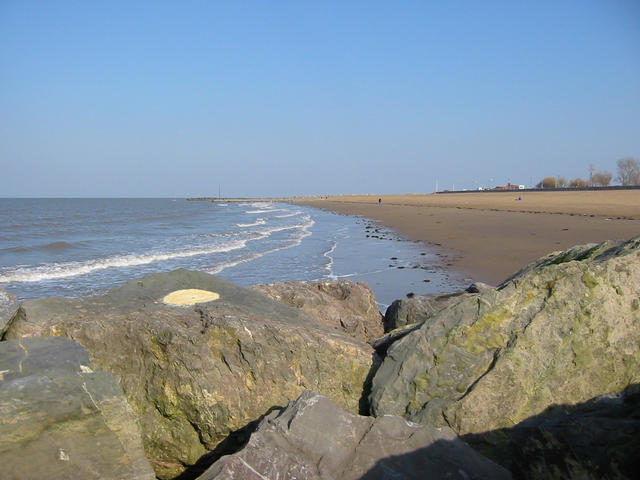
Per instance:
(488,236)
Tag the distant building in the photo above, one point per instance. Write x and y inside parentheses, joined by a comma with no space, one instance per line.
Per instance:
(509,186)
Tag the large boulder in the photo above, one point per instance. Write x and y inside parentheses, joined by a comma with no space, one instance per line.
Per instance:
(313,439)
(592,440)
(194,373)
(9,307)
(418,308)
(339,304)
(563,330)
(59,419)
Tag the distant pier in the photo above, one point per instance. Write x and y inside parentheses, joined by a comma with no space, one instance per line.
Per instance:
(247,199)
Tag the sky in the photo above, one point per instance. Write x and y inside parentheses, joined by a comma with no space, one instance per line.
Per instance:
(269,98)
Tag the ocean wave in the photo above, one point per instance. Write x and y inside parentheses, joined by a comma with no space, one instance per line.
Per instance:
(264,210)
(267,210)
(304,233)
(278,210)
(259,221)
(302,226)
(53,246)
(54,271)
(215,235)
(286,215)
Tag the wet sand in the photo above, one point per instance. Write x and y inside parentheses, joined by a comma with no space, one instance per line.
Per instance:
(489,236)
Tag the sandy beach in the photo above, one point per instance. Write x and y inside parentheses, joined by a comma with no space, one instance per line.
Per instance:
(488,236)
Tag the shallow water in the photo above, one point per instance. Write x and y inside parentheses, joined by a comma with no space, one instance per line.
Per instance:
(78,247)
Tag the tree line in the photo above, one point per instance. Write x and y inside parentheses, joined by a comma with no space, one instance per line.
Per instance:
(628,174)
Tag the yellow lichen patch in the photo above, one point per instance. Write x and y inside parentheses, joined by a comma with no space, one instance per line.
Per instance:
(190,296)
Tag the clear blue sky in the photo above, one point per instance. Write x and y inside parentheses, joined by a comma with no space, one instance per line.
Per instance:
(125,98)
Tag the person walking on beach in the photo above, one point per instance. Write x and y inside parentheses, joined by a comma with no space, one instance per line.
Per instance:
(379,201)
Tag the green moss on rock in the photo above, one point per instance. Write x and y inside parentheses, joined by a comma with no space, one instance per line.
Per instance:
(589,280)
(560,331)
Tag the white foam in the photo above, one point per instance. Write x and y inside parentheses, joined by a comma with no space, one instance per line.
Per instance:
(72,269)
(267,232)
(286,215)
(304,233)
(259,221)
(329,266)
(267,210)
(53,271)
(278,210)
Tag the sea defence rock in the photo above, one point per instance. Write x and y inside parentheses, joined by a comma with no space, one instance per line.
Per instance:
(9,307)
(339,304)
(196,373)
(562,331)
(313,439)
(596,439)
(418,308)
(59,419)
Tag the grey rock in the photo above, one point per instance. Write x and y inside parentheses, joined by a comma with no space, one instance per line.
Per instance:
(561,331)
(314,439)
(593,440)
(407,313)
(418,308)
(9,307)
(194,374)
(382,343)
(478,287)
(59,419)
(339,304)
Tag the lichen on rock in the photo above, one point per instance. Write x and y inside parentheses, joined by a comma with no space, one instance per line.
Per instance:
(339,304)
(195,374)
(562,330)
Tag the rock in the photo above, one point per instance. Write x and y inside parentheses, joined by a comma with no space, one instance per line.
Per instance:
(592,440)
(340,304)
(407,314)
(196,373)
(478,287)
(314,439)
(382,343)
(9,307)
(58,419)
(563,330)
(418,308)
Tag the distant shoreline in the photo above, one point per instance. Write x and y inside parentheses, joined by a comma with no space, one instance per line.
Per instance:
(241,199)
(488,237)
(617,201)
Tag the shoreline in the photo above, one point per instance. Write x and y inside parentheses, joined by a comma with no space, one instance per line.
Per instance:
(485,237)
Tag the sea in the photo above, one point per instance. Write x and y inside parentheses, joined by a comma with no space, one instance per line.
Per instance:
(81,247)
